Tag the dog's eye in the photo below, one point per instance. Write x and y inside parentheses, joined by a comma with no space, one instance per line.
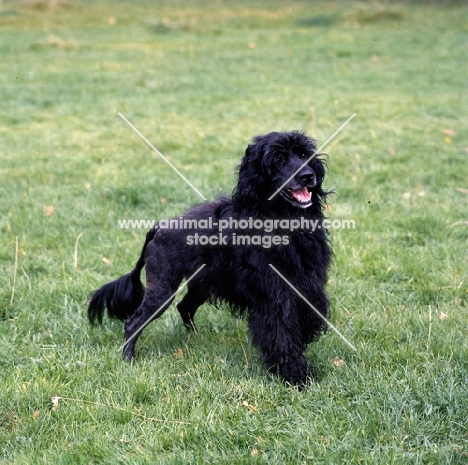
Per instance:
(279,159)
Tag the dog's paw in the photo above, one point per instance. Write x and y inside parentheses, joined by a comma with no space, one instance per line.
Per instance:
(190,326)
(298,373)
(129,356)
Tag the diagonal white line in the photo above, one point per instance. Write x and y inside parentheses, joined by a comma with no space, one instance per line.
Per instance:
(156,313)
(162,156)
(313,155)
(313,308)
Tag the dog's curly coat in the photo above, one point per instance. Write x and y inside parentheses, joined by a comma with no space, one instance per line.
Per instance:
(280,322)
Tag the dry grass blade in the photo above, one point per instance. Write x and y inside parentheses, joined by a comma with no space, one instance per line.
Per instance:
(14,272)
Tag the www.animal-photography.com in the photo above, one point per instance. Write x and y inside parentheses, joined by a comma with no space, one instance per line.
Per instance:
(233,232)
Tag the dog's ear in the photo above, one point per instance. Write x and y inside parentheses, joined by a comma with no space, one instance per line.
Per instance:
(319,167)
(254,151)
(252,175)
(253,156)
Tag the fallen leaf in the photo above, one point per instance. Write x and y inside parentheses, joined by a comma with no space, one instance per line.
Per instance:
(163,200)
(254,453)
(250,407)
(407,195)
(462,191)
(36,414)
(106,261)
(49,211)
(179,353)
(449,132)
(338,362)
(55,402)
(443,316)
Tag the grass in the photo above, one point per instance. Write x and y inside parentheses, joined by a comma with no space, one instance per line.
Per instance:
(199,79)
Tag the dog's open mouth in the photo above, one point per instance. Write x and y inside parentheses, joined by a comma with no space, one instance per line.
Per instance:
(300,197)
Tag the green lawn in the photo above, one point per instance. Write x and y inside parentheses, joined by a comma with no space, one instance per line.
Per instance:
(199,79)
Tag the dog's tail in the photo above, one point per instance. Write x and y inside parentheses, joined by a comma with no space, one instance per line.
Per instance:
(124,295)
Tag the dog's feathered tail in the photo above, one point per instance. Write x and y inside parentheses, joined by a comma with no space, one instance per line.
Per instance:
(124,295)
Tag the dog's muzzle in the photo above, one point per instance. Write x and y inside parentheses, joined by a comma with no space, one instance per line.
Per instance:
(298,197)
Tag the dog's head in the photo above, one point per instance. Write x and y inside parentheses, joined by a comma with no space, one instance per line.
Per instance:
(283,167)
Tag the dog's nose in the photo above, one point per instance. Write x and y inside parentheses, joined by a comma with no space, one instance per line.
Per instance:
(307,176)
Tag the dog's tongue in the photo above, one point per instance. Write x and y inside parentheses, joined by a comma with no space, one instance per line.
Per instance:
(302,195)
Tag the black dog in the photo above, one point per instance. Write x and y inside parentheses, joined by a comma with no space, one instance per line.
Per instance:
(236,246)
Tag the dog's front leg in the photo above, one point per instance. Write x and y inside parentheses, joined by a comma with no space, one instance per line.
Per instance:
(279,340)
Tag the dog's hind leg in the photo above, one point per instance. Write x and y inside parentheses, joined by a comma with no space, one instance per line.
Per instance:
(162,281)
(155,302)
(189,304)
